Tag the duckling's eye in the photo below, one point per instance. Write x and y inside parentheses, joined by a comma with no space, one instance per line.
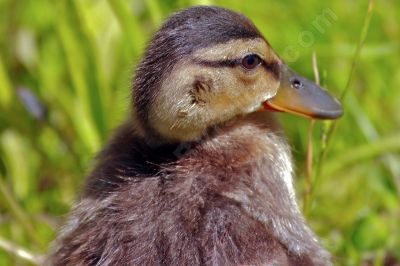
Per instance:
(251,61)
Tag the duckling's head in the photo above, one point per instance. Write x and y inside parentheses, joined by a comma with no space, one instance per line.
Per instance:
(208,65)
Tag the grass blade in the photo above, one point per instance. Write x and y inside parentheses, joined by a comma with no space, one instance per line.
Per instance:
(129,24)
(5,87)
(363,152)
(332,127)
(309,158)
(16,210)
(20,252)
(155,12)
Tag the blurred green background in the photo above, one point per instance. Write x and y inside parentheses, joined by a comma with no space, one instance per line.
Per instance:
(65,73)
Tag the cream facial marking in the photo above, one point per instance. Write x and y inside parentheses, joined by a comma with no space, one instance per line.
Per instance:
(204,102)
(234,48)
(212,86)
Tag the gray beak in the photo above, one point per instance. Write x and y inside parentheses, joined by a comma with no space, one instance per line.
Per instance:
(301,96)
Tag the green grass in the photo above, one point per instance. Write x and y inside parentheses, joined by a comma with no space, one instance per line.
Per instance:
(77,57)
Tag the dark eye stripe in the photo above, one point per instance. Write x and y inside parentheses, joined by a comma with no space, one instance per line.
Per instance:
(272,67)
(218,63)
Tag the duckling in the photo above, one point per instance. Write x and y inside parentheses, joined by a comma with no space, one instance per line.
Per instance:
(197,175)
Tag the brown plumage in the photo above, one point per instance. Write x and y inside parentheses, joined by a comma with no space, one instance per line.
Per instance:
(194,176)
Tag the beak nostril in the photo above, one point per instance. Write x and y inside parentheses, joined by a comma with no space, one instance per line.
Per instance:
(297,84)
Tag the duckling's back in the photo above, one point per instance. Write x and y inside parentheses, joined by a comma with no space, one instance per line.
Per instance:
(218,203)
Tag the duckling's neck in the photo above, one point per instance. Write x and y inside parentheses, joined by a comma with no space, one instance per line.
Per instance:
(254,160)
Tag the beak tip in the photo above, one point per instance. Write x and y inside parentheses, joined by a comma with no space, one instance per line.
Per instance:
(334,111)
(331,115)
(337,111)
